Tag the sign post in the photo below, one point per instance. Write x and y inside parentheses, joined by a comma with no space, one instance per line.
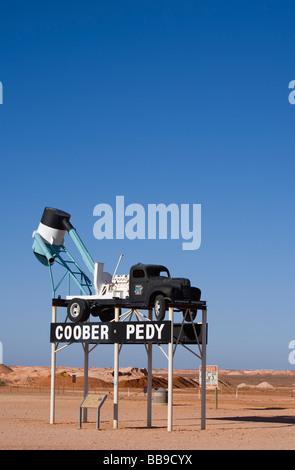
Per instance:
(149,378)
(86,369)
(53,367)
(116,373)
(203,357)
(170,372)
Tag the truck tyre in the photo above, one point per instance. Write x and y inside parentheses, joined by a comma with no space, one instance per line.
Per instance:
(78,310)
(160,307)
(107,314)
(189,315)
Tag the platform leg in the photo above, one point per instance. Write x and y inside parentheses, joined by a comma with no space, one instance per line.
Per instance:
(86,368)
(170,372)
(149,379)
(116,375)
(98,419)
(203,396)
(80,418)
(53,367)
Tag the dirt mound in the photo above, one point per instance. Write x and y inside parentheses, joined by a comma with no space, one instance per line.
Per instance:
(244,385)
(235,372)
(181,382)
(224,383)
(131,372)
(141,382)
(264,385)
(158,382)
(135,377)
(68,382)
(5,369)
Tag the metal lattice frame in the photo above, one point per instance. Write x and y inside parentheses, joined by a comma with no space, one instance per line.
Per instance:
(72,270)
(117,348)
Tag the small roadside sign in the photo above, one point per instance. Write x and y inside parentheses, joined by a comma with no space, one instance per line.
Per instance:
(92,401)
(211,377)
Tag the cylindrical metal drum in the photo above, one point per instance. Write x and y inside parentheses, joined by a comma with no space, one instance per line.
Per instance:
(160,396)
(50,233)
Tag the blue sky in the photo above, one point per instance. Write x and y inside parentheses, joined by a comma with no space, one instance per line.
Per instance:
(159,101)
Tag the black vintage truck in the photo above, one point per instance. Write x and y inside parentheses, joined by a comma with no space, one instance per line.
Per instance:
(148,286)
(151,286)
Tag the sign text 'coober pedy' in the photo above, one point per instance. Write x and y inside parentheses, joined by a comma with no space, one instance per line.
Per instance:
(111,332)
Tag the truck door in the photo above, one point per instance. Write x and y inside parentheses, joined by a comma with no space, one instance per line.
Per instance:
(138,292)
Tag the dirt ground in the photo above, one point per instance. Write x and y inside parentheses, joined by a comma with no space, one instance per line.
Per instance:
(255,411)
(245,418)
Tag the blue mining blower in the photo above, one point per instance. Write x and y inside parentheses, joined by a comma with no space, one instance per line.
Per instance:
(48,247)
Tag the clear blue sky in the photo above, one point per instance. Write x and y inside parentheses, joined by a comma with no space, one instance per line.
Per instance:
(159,101)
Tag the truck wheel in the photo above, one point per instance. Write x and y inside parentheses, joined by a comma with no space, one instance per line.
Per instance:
(78,310)
(160,307)
(189,315)
(107,314)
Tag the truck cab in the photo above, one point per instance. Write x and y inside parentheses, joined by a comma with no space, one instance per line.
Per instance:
(145,280)
(151,286)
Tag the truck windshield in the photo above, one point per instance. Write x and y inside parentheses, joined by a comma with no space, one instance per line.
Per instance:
(157,272)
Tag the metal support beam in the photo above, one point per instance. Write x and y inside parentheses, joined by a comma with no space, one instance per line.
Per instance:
(116,375)
(82,250)
(203,396)
(53,367)
(86,368)
(170,373)
(149,378)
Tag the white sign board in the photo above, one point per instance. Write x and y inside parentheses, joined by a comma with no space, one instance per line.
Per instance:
(211,376)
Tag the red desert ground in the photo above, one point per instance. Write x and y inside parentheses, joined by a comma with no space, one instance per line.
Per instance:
(254,409)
